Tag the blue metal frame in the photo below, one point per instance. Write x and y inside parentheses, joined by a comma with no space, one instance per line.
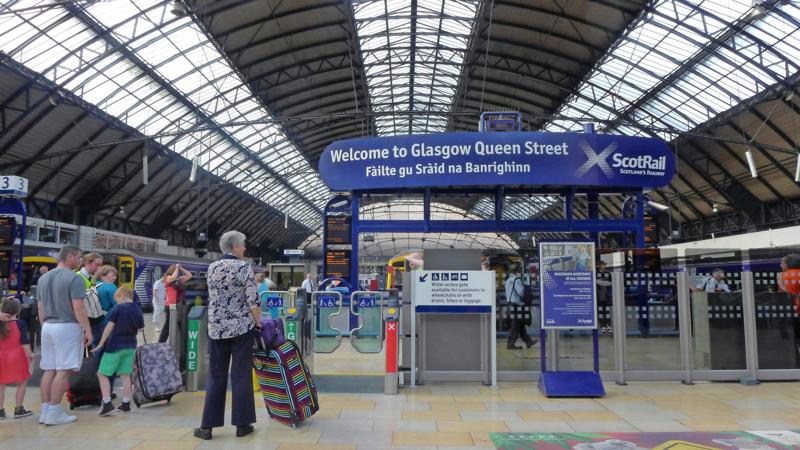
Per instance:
(593,225)
(11,206)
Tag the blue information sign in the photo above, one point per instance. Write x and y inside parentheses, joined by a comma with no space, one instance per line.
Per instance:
(367,302)
(326,302)
(274,302)
(568,285)
(517,158)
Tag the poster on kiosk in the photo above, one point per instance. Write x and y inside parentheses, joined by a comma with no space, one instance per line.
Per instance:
(569,300)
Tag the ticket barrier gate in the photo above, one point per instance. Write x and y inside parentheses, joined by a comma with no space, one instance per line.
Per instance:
(197,348)
(367,307)
(275,304)
(325,307)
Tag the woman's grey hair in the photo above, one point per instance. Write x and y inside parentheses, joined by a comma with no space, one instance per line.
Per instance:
(792,260)
(230,239)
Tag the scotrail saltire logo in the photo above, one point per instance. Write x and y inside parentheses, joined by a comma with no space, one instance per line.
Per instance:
(631,165)
(595,159)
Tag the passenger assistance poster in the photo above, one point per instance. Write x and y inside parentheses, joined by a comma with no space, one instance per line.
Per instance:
(568,285)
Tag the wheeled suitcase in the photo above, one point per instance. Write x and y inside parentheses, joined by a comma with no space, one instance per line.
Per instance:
(156,375)
(286,383)
(84,387)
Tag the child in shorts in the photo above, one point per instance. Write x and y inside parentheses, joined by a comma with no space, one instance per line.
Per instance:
(119,340)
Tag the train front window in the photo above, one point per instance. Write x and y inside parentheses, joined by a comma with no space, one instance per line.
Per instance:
(125,269)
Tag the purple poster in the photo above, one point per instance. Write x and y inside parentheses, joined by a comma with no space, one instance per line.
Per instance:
(568,286)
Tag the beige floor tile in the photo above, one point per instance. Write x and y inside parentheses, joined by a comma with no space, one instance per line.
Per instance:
(481,439)
(423,439)
(31,443)
(347,404)
(593,415)
(156,434)
(167,445)
(233,445)
(431,415)
(428,397)
(713,425)
(288,436)
(30,430)
(328,413)
(541,416)
(474,426)
(4,437)
(658,426)
(601,427)
(80,430)
(106,444)
(316,447)
(457,406)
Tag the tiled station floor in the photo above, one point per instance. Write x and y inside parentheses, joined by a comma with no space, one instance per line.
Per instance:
(433,416)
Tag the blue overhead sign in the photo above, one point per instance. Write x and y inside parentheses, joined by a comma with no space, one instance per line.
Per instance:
(470,159)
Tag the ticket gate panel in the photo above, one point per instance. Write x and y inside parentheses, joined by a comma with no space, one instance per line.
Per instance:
(367,307)
(327,306)
(275,303)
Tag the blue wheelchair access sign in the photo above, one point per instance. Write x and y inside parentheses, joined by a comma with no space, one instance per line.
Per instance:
(367,302)
(326,302)
(274,302)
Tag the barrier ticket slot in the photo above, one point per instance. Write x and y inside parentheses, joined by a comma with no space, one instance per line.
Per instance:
(390,384)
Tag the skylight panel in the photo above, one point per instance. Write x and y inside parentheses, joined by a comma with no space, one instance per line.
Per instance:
(386,49)
(661,42)
(65,50)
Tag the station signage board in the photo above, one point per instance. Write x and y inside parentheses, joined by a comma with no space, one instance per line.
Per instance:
(13,186)
(293,252)
(568,293)
(338,230)
(515,158)
(455,291)
(337,263)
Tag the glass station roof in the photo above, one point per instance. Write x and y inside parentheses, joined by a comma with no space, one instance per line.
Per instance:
(161,75)
(413,59)
(389,244)
(685,62)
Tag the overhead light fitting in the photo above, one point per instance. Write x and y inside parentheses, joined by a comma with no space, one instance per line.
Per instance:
(145,175)
(193,173)
(178,9)
(657,205)
(286,220)
(759,9)
(797,170)
(751,163)
(122,210)
(715,208)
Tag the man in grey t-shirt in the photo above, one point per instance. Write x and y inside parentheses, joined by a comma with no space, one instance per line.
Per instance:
(65,331)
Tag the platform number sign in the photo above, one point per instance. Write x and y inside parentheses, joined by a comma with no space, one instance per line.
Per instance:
(13,186)
(366,302)
(327,302)
(274,302)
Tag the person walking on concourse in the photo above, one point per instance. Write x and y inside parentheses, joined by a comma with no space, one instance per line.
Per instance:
(233,314)
(65,331)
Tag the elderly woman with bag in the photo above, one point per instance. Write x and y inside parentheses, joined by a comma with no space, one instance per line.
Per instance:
(233,314)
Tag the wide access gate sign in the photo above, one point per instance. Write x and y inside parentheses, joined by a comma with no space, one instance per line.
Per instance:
(518,158)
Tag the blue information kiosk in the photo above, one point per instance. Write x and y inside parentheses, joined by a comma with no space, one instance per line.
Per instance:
(498,164)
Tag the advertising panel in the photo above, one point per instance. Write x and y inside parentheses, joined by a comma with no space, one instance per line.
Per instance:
(567,284)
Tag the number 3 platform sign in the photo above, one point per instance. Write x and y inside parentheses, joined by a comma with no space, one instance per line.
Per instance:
(13,186)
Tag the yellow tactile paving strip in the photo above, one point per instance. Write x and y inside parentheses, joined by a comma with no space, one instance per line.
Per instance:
(433,416)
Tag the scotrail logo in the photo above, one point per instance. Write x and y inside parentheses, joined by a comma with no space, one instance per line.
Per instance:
(634,165)
(595,159)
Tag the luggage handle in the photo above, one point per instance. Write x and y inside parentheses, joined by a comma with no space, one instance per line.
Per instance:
(144,336)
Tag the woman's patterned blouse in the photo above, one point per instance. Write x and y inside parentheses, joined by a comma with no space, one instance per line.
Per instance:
(232,293)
